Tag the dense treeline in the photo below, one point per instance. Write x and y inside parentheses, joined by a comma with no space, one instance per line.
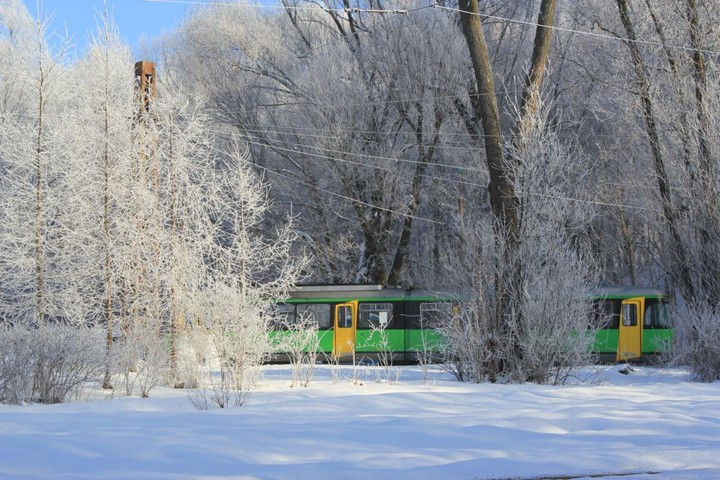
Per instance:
(371,123)
(368,125)
(364,125)
(130,234)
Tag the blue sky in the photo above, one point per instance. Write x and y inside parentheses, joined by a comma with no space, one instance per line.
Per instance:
(135,18)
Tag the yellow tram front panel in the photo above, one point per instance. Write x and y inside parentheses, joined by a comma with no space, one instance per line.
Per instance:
(630,332)
(345,328)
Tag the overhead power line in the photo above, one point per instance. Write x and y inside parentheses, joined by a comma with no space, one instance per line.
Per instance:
(335,194)
(440,7)
(283,7)
(562,198)
(374,157)
(352,162)
(345,197)
(580,32)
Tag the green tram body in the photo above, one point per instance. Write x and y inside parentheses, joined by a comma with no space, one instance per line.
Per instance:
(402,313)
(397,311)
(613,312)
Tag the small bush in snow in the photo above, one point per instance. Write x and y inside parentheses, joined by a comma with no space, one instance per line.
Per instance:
(143,358)
(48,364)
(697,340)
(300,341)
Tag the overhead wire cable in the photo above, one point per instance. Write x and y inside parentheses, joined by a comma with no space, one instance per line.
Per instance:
(378,157)
(579,32)
(358,163)
(594,202)
(292,129)
(280,7)
(440,146)
(335,194)
(259,142)
(440,7)
(355,200)
(335,106)
(460,182)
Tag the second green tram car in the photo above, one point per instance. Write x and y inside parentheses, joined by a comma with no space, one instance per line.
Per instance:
(632,322)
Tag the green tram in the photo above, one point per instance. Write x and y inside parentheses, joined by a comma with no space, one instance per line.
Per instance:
(634,325)
(366,320)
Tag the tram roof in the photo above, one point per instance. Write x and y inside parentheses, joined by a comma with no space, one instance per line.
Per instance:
(359,291)
(629,292)
(349,292)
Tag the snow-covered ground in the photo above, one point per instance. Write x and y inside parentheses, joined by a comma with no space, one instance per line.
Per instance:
(650,424)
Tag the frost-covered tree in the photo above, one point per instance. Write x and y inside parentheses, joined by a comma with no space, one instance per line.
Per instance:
(102,109)
(546,332)
(34,183)
(44,306)
(551,319)
(16,38)
(346,116)
(697,331)
(120,211)
(526,329)
(247,269)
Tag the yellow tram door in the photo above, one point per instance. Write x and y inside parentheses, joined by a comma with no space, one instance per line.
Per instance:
(630,332)
(345,328)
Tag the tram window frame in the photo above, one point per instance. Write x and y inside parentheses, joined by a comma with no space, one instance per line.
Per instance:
(320,311)
(607,313)
(433,315)
(344,319)
(370,315)
(656,315)
(283,316)
(629,320)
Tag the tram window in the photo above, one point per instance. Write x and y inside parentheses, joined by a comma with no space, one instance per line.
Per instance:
(283,316)
(663,319)
(650,312)
(629,315)
(607,313)
(433,315)
(344,319)
(320,312)
(375,315)
(656,315)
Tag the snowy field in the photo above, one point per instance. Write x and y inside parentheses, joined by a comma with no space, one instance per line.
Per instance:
(650,424)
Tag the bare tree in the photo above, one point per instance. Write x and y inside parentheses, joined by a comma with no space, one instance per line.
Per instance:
(513,219)
(247,270)
(37,189)
(669,211)
(299,339)
(49,364)
(697,331)
(352,138)
(547,329)
(102,158)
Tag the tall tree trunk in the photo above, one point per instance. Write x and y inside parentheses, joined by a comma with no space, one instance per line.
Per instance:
(680,255)
(108,290)
(709,262)
(425,155)
(700,90)
(533,81)
(502,190)
(176,233)
(503,201)
(684,129)
(40,299)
